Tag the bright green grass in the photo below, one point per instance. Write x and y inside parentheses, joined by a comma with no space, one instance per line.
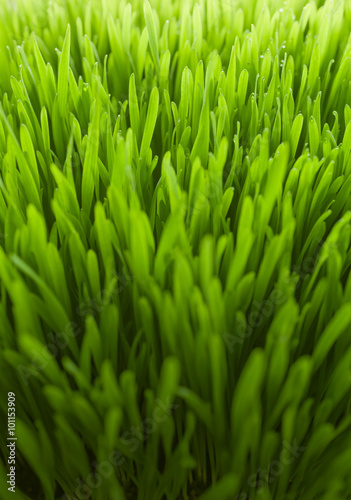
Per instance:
(175,298)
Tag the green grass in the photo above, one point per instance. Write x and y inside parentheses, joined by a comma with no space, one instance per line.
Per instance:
(175,288)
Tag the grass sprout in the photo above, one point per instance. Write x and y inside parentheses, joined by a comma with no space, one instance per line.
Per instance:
(175,248)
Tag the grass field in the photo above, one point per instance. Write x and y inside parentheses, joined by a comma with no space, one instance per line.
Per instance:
(175,250)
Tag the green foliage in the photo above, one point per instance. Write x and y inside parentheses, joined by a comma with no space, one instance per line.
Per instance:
(175,252)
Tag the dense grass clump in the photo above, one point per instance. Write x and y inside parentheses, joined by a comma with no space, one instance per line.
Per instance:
(175,207)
